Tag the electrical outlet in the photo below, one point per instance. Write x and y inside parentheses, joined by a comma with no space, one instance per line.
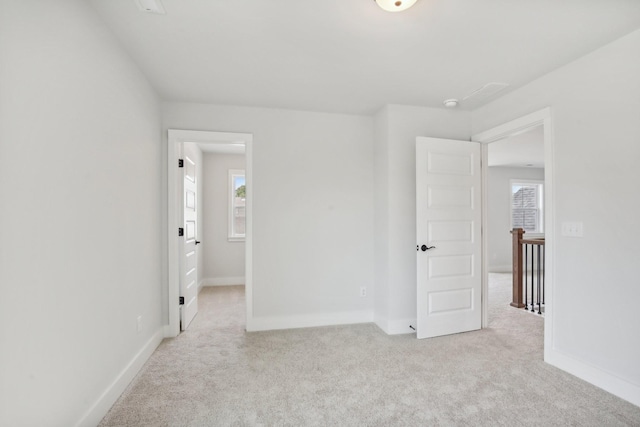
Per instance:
(139,324)
(363,291)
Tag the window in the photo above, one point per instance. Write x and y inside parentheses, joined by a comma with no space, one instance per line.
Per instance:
(527,212)
(237,199)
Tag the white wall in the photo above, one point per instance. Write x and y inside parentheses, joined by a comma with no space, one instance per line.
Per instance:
(395,205)
(80,190)
(223,260)
(595,332)
(381,218)
(499,211)
(312,210)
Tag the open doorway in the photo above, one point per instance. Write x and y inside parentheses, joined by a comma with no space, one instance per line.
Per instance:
(540,120)
(210,145)
(224,215)
(221,297)
(515,199)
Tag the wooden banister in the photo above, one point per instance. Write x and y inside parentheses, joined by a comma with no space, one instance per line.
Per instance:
(517,298)
(533,282)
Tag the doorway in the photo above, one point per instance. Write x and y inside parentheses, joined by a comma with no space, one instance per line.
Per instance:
(515,199)
(207,141)
(542,119)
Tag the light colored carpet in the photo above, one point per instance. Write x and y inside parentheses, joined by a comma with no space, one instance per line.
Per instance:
(215,374)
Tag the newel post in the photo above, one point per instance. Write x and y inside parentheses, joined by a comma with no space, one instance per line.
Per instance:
(516,235)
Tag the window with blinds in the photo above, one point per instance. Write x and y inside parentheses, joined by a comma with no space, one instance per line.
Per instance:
(527,206)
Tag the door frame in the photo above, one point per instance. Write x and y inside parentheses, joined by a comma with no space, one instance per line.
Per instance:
(541,117)
(175,138)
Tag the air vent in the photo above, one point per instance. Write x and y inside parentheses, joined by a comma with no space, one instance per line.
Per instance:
(150,6)
(486,91)
(482,95)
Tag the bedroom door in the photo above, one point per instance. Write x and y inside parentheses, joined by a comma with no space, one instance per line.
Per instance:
(189,264)
(449,248)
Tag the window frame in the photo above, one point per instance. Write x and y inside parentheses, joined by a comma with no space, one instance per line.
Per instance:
(232,235)
(540,204)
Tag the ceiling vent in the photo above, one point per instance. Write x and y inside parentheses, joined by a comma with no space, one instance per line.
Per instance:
(482,94)
(150,6)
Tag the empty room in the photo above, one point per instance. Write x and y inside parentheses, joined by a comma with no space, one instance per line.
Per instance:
(345,271)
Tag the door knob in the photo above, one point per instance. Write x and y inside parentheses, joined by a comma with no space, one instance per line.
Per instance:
(426,248)
(198,242)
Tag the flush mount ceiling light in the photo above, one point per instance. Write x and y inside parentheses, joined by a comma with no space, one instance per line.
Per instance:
(451,103)
(395,5)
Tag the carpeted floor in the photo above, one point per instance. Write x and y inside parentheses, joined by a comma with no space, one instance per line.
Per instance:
(215,374)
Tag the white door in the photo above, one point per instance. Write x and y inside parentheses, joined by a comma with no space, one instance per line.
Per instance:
(189,264)
(449,251)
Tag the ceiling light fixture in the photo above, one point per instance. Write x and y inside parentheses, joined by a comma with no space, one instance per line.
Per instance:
(451,103)
(395,5)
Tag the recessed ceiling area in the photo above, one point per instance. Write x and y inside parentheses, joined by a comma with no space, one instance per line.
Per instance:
(525,149)
(353,57)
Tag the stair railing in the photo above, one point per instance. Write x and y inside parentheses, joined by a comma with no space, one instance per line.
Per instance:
(528,272)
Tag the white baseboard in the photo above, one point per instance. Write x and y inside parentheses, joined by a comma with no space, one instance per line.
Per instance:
(170,331)
(222,281)
(308,321)
(100,408)
(594,375)
(396,327)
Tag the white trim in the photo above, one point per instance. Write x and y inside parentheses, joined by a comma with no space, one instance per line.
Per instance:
(309,321)
(222,281)
(540,117)
(99,409)
(173,221)
(515,127)
(248,251)
(396,327)
(167,331)
(484,233)
(176,138)
(591,374)
(381,322)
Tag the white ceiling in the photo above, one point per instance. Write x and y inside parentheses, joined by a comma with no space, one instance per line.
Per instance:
(525,149)
(350,56)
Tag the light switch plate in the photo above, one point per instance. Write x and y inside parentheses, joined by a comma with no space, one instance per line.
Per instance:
(572,229)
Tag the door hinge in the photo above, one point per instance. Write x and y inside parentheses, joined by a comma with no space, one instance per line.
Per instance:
(180,232)
(181,300)
(180,163)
